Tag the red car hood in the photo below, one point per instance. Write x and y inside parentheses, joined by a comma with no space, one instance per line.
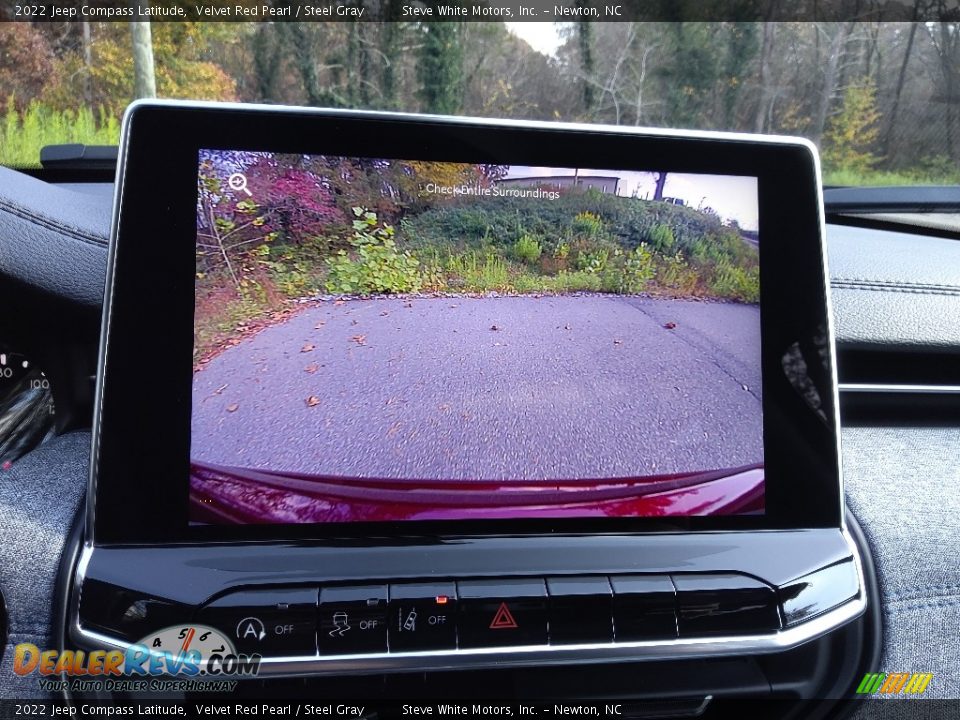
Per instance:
(223,494)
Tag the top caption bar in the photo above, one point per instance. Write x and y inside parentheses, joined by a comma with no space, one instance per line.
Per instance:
(480,10)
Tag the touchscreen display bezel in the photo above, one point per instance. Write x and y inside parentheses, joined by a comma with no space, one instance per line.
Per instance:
(141,453)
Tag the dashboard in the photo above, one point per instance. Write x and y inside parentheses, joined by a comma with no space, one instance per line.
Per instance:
(795,611)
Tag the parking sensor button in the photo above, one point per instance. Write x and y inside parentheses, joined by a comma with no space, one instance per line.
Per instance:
(423,616)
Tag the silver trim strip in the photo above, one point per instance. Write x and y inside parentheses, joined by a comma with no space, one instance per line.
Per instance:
(536,655)
(539,655)
(900,389)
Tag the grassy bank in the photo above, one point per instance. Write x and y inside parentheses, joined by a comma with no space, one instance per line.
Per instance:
(658,249)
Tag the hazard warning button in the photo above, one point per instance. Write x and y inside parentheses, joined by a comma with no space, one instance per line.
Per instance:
(502,613)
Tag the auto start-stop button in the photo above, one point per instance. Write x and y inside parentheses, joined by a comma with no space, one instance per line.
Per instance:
(270,622)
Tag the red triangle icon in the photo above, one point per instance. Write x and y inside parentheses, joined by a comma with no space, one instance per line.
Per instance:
(503,619)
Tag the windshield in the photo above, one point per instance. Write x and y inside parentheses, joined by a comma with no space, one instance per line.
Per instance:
(880,99)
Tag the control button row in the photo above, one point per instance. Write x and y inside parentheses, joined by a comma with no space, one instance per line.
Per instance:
(429,616)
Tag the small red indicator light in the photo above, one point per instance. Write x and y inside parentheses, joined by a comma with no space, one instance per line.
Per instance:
(442,599)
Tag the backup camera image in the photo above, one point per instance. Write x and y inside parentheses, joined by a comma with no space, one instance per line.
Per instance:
(390,340)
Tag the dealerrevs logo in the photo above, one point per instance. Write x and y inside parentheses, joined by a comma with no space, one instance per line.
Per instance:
(183,651)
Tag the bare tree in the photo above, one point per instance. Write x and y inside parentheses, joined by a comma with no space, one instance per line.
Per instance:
(831,75)
(946,40)
(901,78)
(144,77)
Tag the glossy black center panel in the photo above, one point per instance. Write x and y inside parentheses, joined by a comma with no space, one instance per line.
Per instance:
(794,486)
(349,601)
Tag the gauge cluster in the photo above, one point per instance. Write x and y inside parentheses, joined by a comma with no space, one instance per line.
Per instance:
(27,412)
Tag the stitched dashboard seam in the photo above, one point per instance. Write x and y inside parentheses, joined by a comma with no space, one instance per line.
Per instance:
(902,287)
(917,594)
(48,224)
(935,601)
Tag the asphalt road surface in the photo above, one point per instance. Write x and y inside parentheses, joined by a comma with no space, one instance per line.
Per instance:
(528,387)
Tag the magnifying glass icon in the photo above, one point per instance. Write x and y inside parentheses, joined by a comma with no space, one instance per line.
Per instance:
(238,182)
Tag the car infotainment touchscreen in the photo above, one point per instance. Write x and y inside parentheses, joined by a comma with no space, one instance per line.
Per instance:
(329,323)
(398,339)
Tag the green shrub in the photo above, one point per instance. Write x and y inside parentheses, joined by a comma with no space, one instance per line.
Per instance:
(527,249)
(477,272)
(23,134)
(587,225)
(374,265)
(593,261)
(662,239)
(563,282)
(638,270)
(736,283)
(674,273)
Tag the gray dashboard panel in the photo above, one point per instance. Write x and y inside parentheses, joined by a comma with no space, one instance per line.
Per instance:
(903,485)
(53,238)
(893,290)
(39,498)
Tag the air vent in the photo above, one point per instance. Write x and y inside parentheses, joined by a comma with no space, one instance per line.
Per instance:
(879,386)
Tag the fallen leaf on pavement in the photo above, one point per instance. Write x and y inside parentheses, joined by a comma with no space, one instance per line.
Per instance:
(312,368)
(339,302)
(494,327)
(313,401)
(232,407)
(319,324)
(384,313)
(354,322)
(308,347)
(359,339)
(669,325)
(618,342)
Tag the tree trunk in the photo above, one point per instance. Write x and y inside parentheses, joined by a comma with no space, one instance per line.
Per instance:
(901,78)
(766,52)
(837,44)
(389,30)
(305,64)
(266,59)
(441,68)
(949,43)
(585,38)
(144,78)
(658,190)
(87,64)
